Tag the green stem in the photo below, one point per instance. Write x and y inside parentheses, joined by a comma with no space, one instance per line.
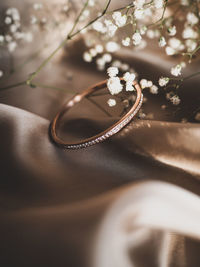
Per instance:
(191,76)
(78,17)
(92,21)
(176,86)
(161,18)
(33,85)
(13,85)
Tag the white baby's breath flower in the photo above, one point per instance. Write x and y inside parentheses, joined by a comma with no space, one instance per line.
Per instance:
(33,20)
(175,100)
(176,71)
(158,3)
(189,32)
(163,81)
(98,26)
(154,89)
(197,116)
(107,57)
(143,30)
(13,28)
(91,3)
(99,48)
(112,47)
(8,38)
(162,41)
(85,15)
(110,28)
(124,67)
(37,6)
(87,57)
(129,86)
(170,51)
(141,114)
(138,13)
(12,11)
(114,85)
(111,102)
(1,38)
(126,41)
(192,18)
(185,2)
(129,77)
(163,107)
(65,8)
(148,12)
(139,3)
(19,35)
(16,16)
(151,34)
(44,21)
(183,64)
(144,83)
(1,73)
(12,46)
(172,30)
(149,84)
(141,45)
(136,38)
(120,20)
(191,45)
(117,64)
(112,71)
(8,20)
(175,43)
(100,63)
(93,52)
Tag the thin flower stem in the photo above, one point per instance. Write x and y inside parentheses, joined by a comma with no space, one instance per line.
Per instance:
(190,55)
(78,17)
(13,85)
(161,18)
(92,21)
(191,76)
(180,81)
(34,85)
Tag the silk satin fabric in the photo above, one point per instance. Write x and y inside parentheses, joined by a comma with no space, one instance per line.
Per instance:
(132,201)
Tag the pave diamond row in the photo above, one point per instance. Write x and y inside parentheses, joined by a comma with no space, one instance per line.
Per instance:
(111,132)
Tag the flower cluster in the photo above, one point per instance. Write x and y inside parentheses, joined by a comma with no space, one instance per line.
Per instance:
(114,83)
(18,31)
(143,20)
(13,32)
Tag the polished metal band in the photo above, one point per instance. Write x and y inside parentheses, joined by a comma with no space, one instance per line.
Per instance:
(103,135)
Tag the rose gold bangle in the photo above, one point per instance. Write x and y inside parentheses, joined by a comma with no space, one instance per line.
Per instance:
(103,135)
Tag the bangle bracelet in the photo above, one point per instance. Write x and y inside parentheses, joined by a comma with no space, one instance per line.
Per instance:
(103,135)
